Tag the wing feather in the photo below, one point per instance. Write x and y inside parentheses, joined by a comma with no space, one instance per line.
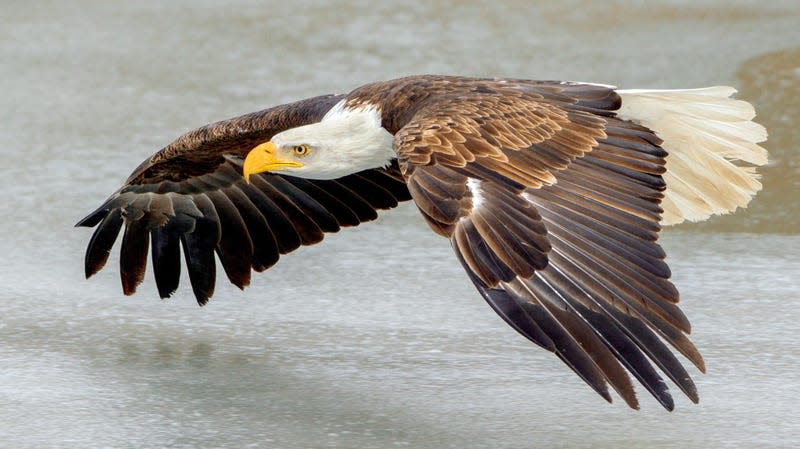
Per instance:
(192,194)
(629,292)
(555,217)
(133,255)
(610,322)
(311,219)
(235,247)
(103,238)
(166,256)
(265,247)
(374,194)
(362,209)
(592,339)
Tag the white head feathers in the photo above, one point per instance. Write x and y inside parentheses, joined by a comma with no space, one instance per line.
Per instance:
(345,141)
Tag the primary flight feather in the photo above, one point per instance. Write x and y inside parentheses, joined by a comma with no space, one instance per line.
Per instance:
(552,195)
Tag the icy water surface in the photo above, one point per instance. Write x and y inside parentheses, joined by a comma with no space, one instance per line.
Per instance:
(375,338)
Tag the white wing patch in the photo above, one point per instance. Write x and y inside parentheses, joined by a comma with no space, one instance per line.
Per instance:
(474,186)
(707,135)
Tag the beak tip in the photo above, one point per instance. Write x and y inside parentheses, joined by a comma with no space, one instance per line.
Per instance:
(259,160)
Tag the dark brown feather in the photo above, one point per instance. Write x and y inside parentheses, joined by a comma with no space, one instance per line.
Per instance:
(133,255)
(235,247)
(265,247)
(358,205)
(166,255)
(509,309)
(609,322)
(570,351)
(281,212)
(192,194)
(99,247)
(376,196)
(342,215)
(308,217)
(198,249)
(586,274)
(590,339)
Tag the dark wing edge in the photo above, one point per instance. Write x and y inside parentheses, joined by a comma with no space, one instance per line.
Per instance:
(191,195)
(572,265)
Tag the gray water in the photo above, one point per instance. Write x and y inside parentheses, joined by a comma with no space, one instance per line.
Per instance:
(375,338)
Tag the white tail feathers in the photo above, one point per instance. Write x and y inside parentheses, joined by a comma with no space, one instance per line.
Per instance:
(706,134)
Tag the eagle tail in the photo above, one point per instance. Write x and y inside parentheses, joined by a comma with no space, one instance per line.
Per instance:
(712,145)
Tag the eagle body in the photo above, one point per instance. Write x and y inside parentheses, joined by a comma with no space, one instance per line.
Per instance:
(551,193)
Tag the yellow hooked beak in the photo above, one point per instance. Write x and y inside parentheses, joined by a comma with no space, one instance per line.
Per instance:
(262,159)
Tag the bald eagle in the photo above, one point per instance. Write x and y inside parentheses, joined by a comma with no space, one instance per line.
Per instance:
(551,193)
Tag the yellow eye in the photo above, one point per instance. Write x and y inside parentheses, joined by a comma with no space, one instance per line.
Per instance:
(301,150)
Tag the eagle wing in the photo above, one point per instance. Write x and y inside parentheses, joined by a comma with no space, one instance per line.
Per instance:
(552,206)
(191,194)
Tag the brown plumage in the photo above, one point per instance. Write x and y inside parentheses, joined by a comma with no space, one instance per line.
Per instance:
(550,197)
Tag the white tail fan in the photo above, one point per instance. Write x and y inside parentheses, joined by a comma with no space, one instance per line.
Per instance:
(706,134)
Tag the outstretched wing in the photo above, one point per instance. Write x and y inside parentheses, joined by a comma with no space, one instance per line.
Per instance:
(552,207)
(191,194)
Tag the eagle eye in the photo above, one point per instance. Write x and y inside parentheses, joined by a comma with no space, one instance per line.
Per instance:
(301,150)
